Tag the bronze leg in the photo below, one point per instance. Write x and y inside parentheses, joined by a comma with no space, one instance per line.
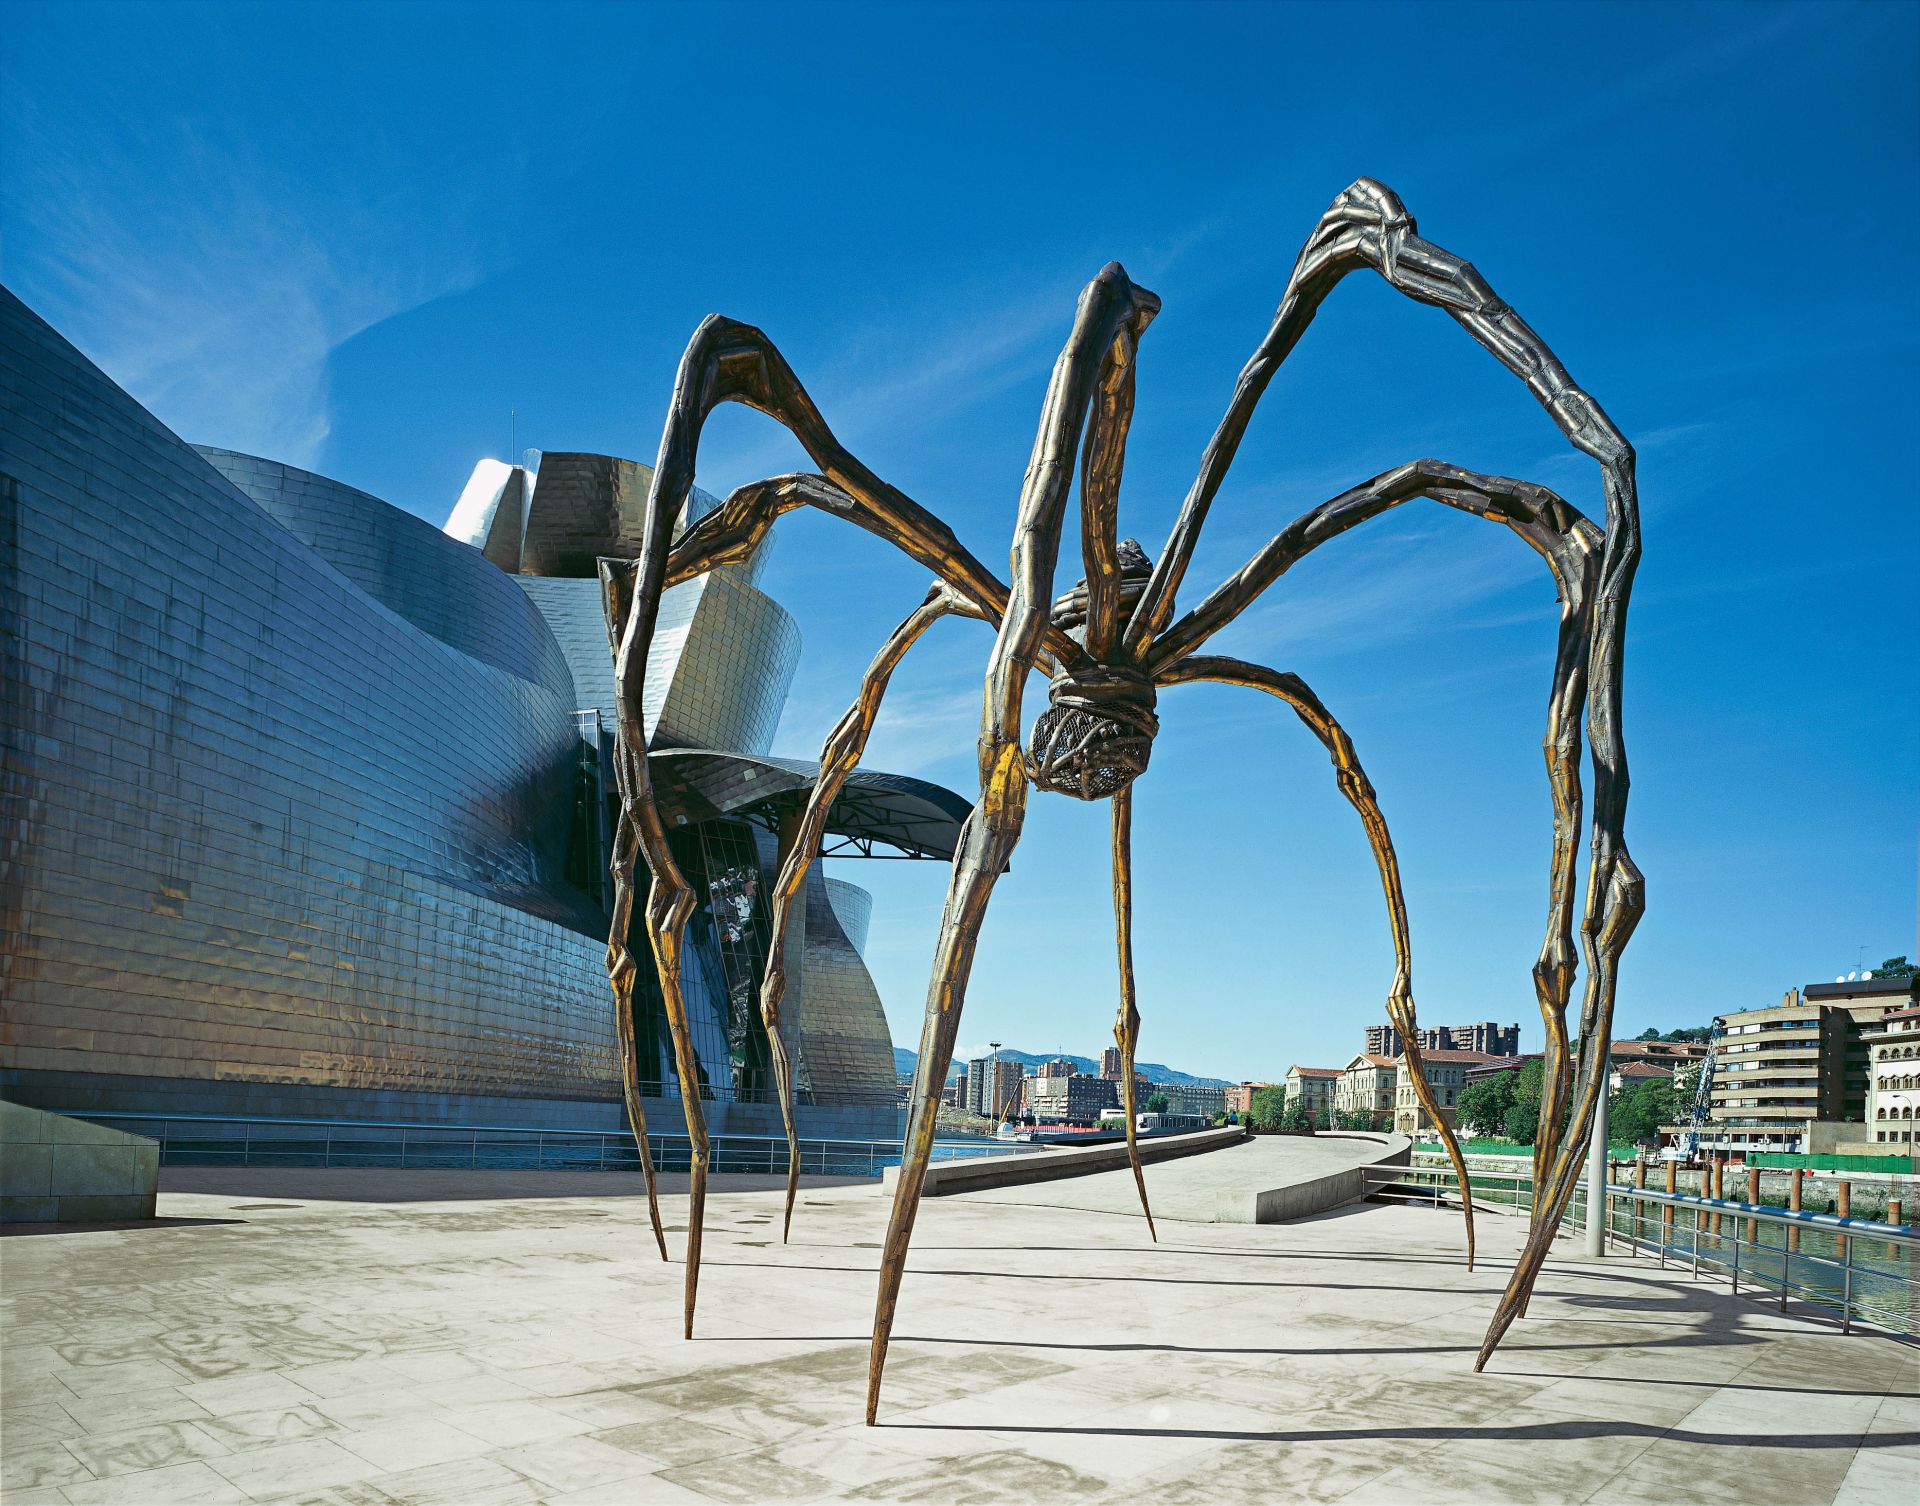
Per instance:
(1126,1026)
(1358,789)
(839,756)
(1109,306)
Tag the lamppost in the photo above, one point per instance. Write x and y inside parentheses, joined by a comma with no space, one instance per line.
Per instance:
(1597,1168)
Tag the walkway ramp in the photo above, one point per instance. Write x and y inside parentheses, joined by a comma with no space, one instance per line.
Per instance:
(1268,1179)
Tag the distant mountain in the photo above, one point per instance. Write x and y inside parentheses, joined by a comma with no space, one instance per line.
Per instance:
(904,1062)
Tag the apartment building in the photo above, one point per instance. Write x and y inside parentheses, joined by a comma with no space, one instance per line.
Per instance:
(1366,1086)
(1312,1089)
(1797,1076)
(1495,1040)
(1446,1075)
(1893,1090)
(1070,1097)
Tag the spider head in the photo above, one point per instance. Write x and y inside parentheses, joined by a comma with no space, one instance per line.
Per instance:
(1096,735)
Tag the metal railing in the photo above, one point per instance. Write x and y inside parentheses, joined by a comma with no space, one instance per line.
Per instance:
(1852,1269)
(225,1140)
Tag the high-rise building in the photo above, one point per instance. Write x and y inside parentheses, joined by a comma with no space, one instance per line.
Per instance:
(310,803)
(1111,1064)
(1072,1097)
(1796,1076)
(1059,1066)
(1494,1040)
(994,1086)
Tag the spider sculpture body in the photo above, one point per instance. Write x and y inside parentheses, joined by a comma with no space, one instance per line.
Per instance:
(1109,646)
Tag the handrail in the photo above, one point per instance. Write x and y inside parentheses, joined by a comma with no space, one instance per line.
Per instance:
(1711,1243)
(481,1129)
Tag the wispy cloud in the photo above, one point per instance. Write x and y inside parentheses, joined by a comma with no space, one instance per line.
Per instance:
(211,279)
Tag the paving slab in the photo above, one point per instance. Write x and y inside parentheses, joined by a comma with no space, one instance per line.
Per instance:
(414,1338)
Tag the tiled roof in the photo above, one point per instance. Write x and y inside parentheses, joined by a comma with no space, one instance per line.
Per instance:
(1316,1071)
(1440,1054)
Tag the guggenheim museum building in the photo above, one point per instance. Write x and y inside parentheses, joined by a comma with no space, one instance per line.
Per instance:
(308,804)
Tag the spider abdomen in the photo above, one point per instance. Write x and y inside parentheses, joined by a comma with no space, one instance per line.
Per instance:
(1096,736)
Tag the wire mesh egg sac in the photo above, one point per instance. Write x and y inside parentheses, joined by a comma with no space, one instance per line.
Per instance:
(1086,755)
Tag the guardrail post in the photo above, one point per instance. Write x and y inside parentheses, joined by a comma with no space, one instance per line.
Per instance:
(1846,1294)
(1597,1179)
(1666,1213)
(1696,1240)
(1786,1278)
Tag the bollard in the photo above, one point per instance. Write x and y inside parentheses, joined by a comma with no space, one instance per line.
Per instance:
(1843,1205)
(1717,1176)
(1753,1201)
(1893,1217)
(1793,1202)
(1666,1213)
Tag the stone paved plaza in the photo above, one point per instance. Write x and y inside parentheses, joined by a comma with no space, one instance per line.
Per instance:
(363,1338)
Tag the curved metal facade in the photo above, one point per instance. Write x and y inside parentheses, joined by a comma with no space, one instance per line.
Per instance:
(266,838)
(298,819)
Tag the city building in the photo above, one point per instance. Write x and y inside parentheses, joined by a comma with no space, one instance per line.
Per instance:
(1446,1076)
(1239,1097)
(1111,1064)
(994,1087)
(1059,1066)
(1893,1093)
(1494,1040)
(1795,1076)
(309,808)
(1202,1100)
(1366,1086)
(956,1092)
(1070,1097)
(1312,1089)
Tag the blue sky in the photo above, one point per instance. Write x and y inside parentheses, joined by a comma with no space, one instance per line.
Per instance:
(356,238)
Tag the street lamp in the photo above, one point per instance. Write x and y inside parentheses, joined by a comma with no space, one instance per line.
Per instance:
(1597,1168)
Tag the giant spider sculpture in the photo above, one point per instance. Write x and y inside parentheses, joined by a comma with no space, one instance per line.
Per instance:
(1109,646)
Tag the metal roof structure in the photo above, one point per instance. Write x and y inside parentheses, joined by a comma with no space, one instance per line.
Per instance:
(875,815)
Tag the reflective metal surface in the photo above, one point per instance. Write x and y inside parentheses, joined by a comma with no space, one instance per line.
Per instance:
(299,817)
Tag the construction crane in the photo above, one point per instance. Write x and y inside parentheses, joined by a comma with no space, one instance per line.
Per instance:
(1702,1101)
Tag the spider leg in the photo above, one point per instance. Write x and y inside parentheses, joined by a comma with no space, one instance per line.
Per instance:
(992,830)
(1368,226)
(622,972)
(1359,791)
(1101,462)
(1126,1025)
(727,361)
(839,756)
(1586,677)
(669,897)
(1570,545)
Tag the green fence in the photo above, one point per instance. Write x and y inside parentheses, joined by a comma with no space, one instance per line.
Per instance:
(1787,1161)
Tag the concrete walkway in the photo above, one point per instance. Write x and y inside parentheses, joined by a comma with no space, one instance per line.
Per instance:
(525,1348)
(1207,1189)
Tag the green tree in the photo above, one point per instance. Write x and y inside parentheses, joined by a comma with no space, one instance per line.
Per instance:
(1893,967)
(1522,1122)
(1636,1113)
(1265,1109)
(1483,1105)
(1156,1103)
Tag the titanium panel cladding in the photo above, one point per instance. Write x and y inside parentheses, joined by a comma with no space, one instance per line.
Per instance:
(272,815)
